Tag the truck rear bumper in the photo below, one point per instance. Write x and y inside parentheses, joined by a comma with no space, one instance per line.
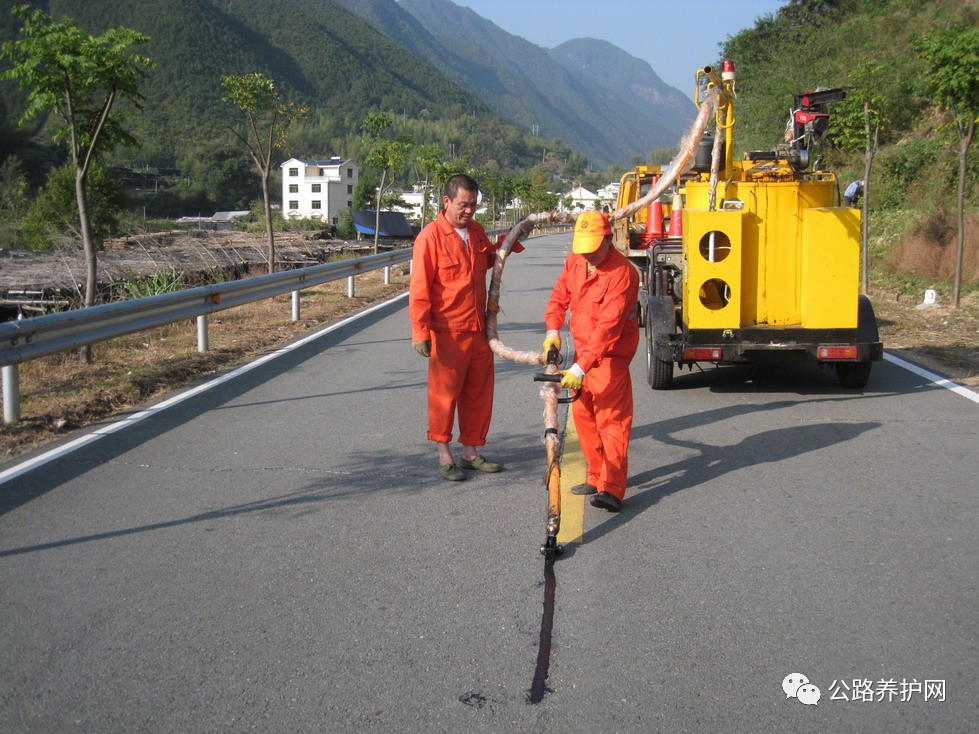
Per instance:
(757,344)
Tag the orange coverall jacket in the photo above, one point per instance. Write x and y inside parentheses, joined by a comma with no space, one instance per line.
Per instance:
(447,306)
(448,281)
(603,306)
(605,327)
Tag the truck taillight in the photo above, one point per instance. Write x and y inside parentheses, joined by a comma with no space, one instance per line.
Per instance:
(849,352)
(703,354)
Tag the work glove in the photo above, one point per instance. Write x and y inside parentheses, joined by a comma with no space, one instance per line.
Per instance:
(552,339)
(517,247)
(570,380)
(424,348)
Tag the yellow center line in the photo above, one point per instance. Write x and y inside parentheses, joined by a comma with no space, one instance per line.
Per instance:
(572,473)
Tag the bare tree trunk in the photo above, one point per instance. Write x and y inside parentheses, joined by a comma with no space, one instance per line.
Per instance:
(377,214)
(269,230)
(865,208)
(91,259)
(965,142)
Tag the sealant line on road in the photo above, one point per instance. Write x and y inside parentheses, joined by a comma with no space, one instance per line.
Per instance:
(572,473)
(934,379)
(65,449)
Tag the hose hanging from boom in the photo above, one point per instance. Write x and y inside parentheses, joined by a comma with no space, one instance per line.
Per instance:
(548,391)
(682,161)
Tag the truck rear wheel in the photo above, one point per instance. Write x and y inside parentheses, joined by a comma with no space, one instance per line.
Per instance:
(853,375)
(660,326)
(659,374)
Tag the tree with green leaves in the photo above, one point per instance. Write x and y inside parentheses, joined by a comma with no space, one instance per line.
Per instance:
(953,77)
(268,118)
(79,78)
(430,160)
(51,212)
(387,156)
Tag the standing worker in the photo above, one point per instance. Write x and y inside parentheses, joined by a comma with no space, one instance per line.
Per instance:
(447,308)
(601,288)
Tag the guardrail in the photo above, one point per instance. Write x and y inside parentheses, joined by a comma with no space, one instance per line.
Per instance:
(27,339)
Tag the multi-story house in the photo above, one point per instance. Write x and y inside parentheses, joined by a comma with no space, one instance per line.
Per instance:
(318,189)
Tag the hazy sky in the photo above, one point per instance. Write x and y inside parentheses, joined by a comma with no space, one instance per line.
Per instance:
(674,37)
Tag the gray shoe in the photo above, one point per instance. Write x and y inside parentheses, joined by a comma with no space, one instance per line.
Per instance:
(451,472)
(584,488)
(479,463)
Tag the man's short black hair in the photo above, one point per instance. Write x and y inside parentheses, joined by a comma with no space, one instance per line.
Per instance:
(460,181)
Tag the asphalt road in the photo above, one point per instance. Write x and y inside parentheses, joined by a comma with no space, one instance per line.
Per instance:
(277,554)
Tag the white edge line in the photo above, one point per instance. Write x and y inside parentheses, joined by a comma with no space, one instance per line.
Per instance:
(48,456)
(933,378)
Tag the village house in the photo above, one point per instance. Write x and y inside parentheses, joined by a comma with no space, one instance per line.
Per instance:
(318,189)
(579,199)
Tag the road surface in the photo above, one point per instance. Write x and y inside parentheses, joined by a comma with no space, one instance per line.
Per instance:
(277,553)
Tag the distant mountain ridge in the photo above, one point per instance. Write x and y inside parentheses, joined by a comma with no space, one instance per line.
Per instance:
(592,95)
(456,74)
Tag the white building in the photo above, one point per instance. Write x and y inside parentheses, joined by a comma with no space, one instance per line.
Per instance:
(581,199)
(318,189)
(414,200)
(609,193)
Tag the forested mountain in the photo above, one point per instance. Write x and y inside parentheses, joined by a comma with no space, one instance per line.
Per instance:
(563,92)
(633,80)
(319,54)
(340,66)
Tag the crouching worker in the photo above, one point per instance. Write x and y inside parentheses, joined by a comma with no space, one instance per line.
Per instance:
(447,309)
(600,287)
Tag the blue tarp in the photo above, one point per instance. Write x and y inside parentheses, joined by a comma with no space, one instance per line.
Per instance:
(393,224)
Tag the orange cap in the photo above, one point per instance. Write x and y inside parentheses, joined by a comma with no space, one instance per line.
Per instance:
(590,230)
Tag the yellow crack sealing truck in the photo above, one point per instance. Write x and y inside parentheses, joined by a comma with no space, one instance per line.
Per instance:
(751,260)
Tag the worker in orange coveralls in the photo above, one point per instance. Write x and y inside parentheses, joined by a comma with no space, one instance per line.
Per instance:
(601,288)
(447,309)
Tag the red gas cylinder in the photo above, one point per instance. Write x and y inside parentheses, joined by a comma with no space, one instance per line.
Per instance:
(654,223)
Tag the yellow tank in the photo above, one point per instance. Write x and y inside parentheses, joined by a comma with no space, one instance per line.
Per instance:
(789,249)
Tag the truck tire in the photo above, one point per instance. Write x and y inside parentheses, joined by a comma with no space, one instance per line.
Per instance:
(662,375)
(659,374)
(853,375)
(660,325)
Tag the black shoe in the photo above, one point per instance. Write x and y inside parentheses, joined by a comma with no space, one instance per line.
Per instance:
(584,488)
(607,502)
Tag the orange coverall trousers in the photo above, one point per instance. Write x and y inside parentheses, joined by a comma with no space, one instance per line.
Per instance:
(603,419)
(460,380)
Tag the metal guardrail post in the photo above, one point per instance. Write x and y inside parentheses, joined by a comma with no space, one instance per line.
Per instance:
(350,286)
(11,394)
(387,275)
(202,333)
(295,305)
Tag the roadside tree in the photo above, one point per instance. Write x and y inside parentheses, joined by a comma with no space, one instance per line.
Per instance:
(953,78)
(268,118)
(387,156)
(79,78)
(430,160)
